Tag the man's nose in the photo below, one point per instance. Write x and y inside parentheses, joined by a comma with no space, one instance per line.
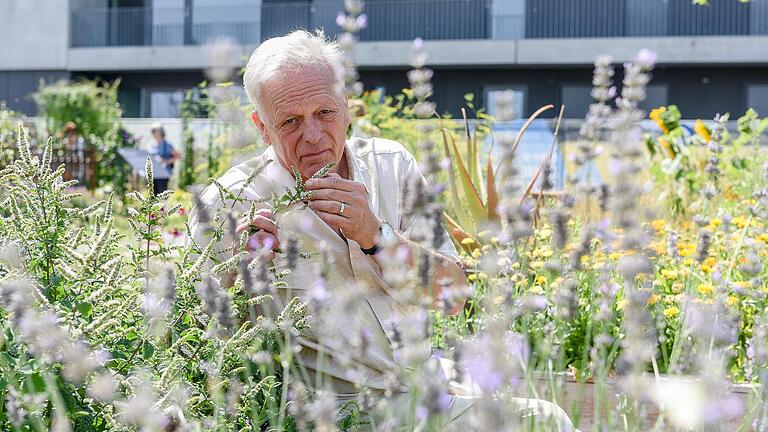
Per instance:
(313,131)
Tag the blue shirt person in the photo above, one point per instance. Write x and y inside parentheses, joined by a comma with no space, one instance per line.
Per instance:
(167,154)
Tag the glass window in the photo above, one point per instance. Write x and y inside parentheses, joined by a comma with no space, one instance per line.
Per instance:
(757,98)
(165,103)
(655,96)
(576,99)
(518,100)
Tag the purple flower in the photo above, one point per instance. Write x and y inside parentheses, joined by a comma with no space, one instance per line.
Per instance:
(361,21)
(481,369)
(341,19)
(646,58)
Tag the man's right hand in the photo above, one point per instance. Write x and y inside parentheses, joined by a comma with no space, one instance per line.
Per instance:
(264,232)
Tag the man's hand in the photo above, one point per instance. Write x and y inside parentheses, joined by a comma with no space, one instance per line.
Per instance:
(356,222)
(265,232)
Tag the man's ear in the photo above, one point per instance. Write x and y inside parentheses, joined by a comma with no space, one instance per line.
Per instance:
(260,125)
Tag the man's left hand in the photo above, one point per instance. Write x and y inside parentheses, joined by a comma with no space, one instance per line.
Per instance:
(356,222)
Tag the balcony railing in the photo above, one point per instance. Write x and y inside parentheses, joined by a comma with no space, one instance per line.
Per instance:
(388,20)
(428,19)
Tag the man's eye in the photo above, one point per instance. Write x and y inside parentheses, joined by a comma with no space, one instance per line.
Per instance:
(326,112)
(289,122)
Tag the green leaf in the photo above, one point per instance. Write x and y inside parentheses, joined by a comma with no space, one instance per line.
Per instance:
(147,350)
(85,308)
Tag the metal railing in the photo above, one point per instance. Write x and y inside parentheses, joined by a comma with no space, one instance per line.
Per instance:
(387,20)
(429,19)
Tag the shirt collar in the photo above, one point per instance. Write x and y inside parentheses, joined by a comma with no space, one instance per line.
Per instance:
(281,178)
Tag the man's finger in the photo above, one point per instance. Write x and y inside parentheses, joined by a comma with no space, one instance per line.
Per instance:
(332,207)
(259,222)
(332,182)
(332,195)
(333,220)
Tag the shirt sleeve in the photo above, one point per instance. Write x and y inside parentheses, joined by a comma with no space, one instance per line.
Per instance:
(418,226)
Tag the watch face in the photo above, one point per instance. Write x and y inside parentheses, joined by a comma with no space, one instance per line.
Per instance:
(387,234)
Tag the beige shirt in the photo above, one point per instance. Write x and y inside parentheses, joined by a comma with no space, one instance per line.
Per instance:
(384,167)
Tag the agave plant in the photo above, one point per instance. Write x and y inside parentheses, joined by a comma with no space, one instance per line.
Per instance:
(473,190)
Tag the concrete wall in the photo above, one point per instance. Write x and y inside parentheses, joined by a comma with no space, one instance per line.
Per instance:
(35,34)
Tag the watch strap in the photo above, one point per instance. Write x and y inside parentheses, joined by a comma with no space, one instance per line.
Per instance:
(371,250)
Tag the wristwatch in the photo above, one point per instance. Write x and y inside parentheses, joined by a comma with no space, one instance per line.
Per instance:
(386,236)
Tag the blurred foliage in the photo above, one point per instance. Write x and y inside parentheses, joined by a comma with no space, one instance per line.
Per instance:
(92,106)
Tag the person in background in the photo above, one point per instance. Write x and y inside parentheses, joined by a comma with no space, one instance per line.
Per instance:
(74,143)
(167,154)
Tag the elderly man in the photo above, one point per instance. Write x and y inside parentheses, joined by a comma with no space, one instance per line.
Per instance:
(302,115)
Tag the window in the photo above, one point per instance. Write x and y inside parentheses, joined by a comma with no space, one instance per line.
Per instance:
(518,100)
(165,103)
(655,96)
(757,98)
(577,99)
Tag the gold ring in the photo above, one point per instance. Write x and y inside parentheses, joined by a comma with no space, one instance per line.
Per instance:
(341,210)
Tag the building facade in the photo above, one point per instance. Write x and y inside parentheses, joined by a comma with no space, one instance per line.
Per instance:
(711,59)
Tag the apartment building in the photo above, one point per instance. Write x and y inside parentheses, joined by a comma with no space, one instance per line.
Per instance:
(711,58)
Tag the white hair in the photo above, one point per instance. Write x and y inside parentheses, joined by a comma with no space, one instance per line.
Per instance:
(298,50)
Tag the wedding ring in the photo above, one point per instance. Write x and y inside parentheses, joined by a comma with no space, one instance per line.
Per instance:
(341,210)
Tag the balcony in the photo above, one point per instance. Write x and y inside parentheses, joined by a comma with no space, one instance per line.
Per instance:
(393,20)
(388,20)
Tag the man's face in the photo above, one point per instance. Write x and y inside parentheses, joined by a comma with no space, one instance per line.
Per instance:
(305,120)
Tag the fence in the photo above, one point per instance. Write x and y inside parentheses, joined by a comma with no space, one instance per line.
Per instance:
(79,165)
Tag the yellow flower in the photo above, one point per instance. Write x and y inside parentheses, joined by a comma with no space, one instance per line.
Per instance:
(677,287)
(669,273)
(476,253)
(708,265)
(732,300)
(472,277)
(653,299)
(546,252)
(659,225)
(536,265)
(715,222)
(659,248)
(621,304)
(483,234)
(702,130)
(705,289)
(540,280)
(763,237)
(671,312)
(667,147)
(655,115)
(468,241)
(686,249)
(613,256)
(536,289)
(740,221)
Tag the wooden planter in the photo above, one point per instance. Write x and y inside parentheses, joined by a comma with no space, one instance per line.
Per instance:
(578,399)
